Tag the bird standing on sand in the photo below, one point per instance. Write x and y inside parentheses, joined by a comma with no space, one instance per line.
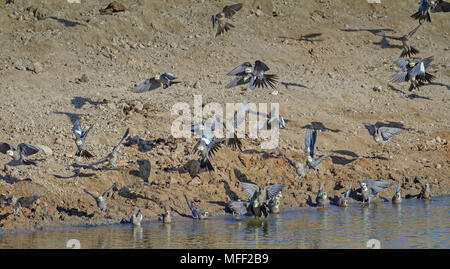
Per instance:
(221,18)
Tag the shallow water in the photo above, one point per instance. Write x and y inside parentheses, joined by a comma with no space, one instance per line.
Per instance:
(413,224)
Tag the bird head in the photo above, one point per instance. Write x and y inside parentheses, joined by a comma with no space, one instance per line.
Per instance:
(411,64)
(157,76)
(397,195)
(100,198)
(345,203)
(201,148)
(248,70)
(206,214)
(78,142)
(10,152)
(364,186)
(309,159)
(324,195)
(255,203)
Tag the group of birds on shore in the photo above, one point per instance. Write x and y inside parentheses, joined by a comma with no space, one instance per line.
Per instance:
(261,201)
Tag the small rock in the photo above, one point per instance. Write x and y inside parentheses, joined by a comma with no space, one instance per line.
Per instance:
(275,92)
(438,166)
(45,149)
(258,12)
(196,85)
(36,67)
(438,139)
(331,74)
(377,88)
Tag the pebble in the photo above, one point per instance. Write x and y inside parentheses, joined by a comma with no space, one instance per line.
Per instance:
(438,166)
(36,67)
(438,139)
(196,85)
(275,92)
(258,12)
(377,88)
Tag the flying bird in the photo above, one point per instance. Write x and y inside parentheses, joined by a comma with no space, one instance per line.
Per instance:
(196,213)
(221,19)
(254,76)
(21,154)
(383,134)
(440,6)
(111,157)
(370,188)
(422,13)
(415,72)
(407,50)
(310,142)
(206,146)
(300,169)
(165,79)
(101,200)
(80,138)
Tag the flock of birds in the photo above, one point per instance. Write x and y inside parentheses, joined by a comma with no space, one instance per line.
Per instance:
(261,201)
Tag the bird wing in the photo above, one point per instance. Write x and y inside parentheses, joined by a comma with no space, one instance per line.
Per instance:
(4,147)
(146,85)
(27,149)
(310,141)
(93,196)
(191,206)
(260,66)
(239,69)
(213,21)
(107,156)
(108,190)
(402,63)
(378,186)
(238,207)
(347,192)
(77,130)
(389,132)
(399,77)
(249,188)
(87,131)
(317,161)
(273,190)
(231,10)
(168,75)
(410,34)
(426,62)
(242,112)
(399,187)
(371,128)
(239,80)
(290,160)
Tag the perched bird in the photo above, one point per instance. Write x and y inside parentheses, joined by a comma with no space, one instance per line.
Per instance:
(407,50)
(440,6)
(254,76)
(196,213)
(101,200)
(322,198)
(422,13)
(300,169)
(80,138)
(111,157)
(274,203)
(136,218)
(221,19)
(397,198)
(425,193)
(259,198)
(165,79)
(21,154)
(310,142)
(383,134)
(415,72)
(206,146)
(370,188)
(343,200)
(166,218)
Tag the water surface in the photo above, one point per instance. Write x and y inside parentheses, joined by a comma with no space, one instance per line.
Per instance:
(413,224)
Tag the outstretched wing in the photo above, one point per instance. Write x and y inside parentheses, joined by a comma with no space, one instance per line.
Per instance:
(273,190)
(146,85)
(371,128)
(108,190)
(249,188)
(238,207)
(77,130)
(402,63)
(389,132)
(4,147)
(310,141)
(399,187)
(260,66)
(239,80)
(378,186)
(168,75)
(104,159)
(410,34)
(87,131)
(191,207)
(231,10)
(93,196)
(27,149)
(239,69)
